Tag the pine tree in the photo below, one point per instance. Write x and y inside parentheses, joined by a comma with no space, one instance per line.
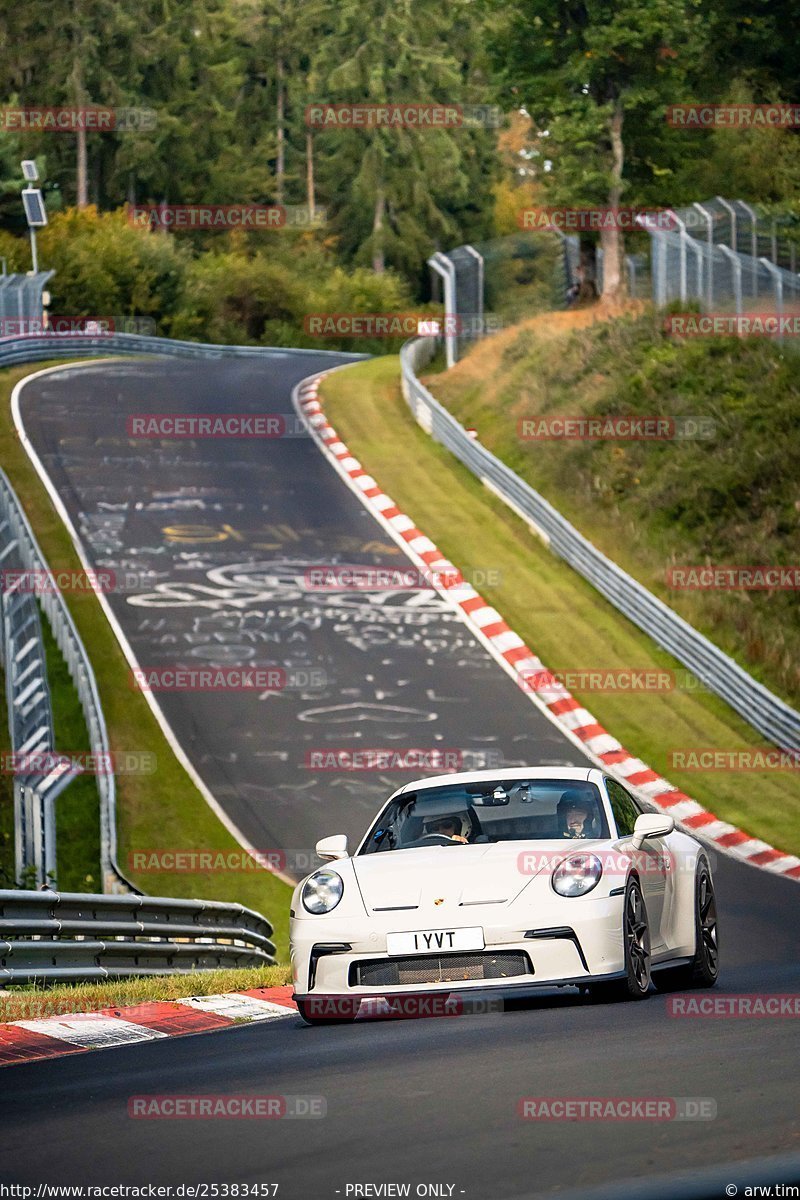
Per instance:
(391,191)
(596,77)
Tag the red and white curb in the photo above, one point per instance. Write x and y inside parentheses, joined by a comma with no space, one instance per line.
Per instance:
(49,1037)
(575,721)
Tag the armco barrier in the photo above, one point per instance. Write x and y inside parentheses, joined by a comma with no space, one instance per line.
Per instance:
(36,830)
(30,714)
(36,348)
(50,936)
(766,712)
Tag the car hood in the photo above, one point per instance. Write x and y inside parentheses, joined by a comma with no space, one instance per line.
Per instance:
(460,875)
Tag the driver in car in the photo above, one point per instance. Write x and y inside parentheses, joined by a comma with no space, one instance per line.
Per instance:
(578,816)
(447,827)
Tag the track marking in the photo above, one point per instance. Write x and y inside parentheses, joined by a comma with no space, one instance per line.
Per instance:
(238,1007)
(91,1031)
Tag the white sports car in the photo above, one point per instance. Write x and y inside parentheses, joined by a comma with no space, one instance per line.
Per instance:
(505,880)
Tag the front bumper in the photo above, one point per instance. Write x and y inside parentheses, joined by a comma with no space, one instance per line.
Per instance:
(566,942)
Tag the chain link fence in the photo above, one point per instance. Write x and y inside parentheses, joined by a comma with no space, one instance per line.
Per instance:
(497,283)
(506,280)
(726,256)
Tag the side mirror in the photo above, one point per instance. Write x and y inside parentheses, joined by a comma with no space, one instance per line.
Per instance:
(331,848)
(651,825)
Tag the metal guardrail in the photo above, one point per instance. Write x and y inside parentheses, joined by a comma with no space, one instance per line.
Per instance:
(37,347)
(50,936)
(30,716)
(765,711)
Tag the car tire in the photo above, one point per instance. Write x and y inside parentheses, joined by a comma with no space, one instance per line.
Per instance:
(636,938)
(306,1011)
(703,970)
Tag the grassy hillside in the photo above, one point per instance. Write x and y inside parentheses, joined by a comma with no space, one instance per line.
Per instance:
(559,615)
(731,499)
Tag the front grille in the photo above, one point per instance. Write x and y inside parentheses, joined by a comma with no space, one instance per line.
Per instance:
(445,968)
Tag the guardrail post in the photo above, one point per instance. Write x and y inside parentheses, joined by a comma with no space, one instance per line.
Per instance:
(777,279)
(683,236)
(736,265)
(732,211)
(479,258)
(444,268)
(710,252)
(21,849)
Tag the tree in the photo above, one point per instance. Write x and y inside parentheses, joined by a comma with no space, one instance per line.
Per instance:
(285,35)
(84,58)
(392,191)
(587,71)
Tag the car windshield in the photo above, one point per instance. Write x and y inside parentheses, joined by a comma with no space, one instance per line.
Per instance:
(510,810)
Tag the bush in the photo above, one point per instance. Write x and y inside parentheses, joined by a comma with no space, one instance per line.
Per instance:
(106,267)
(238,288)
(229,297)
(16,252)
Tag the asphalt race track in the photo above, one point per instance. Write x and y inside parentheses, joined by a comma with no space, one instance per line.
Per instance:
(213,539)
(434,1101)
(408,1101)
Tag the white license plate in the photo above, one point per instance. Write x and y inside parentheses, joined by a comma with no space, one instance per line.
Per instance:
(435,941)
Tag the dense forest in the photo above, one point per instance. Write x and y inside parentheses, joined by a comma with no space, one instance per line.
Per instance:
(218,93)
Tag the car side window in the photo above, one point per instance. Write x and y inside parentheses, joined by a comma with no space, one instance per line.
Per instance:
(624,807)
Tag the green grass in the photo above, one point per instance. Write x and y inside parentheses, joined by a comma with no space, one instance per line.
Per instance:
(33,1001)
(557,613)
(730,499)
(164,809)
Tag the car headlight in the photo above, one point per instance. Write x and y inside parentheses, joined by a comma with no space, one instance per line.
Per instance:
(322,892)
(577,875)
